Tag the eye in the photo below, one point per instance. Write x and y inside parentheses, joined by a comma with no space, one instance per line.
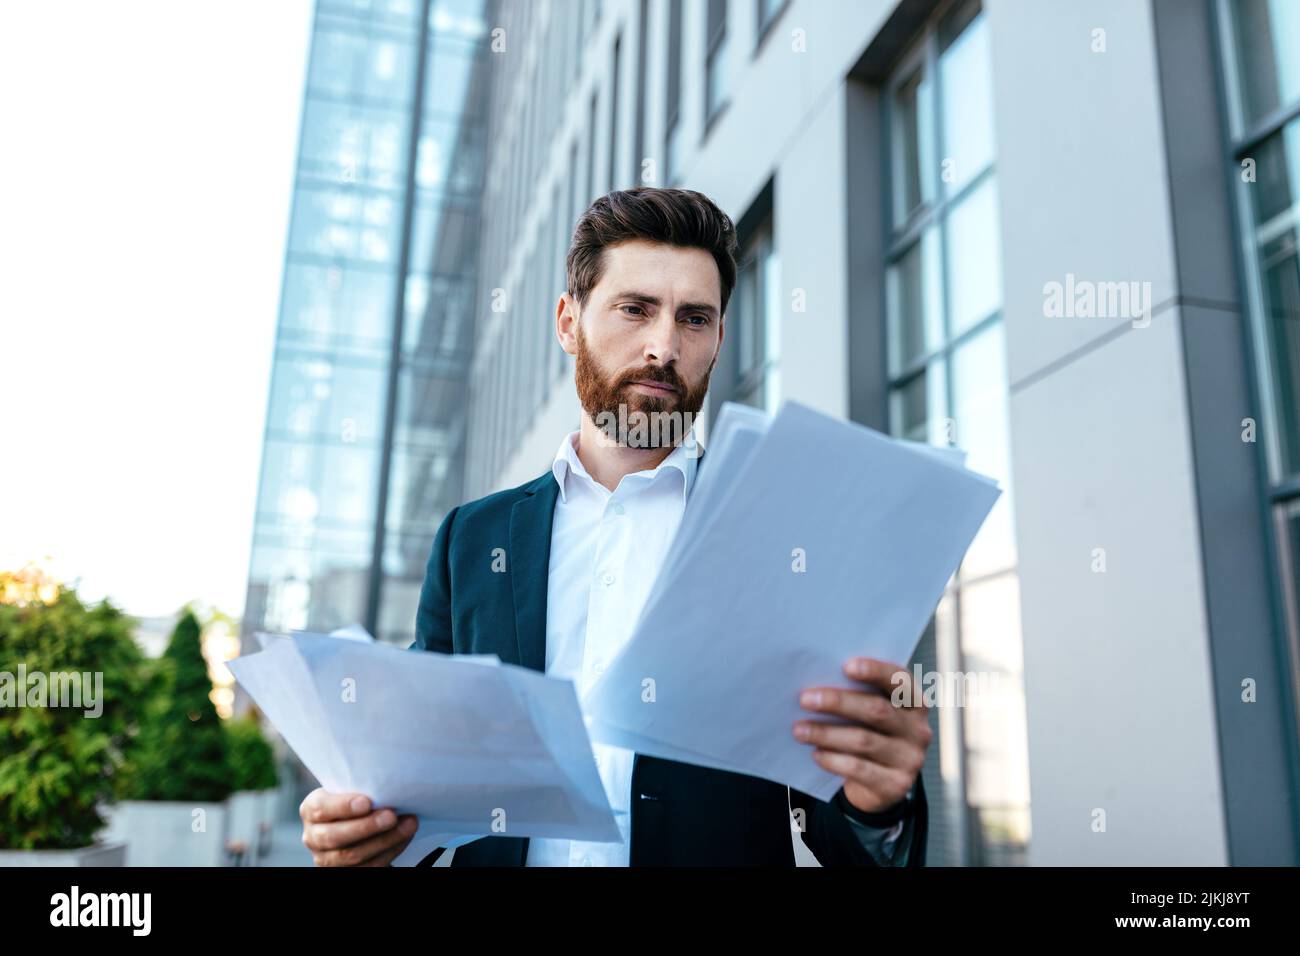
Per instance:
(637,307)
(704,320)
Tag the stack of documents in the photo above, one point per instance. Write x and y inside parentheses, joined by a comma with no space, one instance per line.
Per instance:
(806,541)
(472,746)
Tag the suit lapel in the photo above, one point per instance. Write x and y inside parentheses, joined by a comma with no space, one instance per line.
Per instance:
(531,520)
(530,556)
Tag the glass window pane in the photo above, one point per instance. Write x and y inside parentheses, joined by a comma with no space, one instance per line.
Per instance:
(331,306)
(335,61)
(918,408)
(767,9)
(993,712)
(313,581)
(1268,65)
(914,298)
(744,307)
(675,147)
(416,492)
(398,605)
(980,427)
(773,304)
(912,162)
(966,82)
(346,143)
(1288,537)
(317,397)
(433,153)
(463,17)
(343,222)
(974,259)
(389,75)
(349,476)
(288,475)
(434,330)
(1276,207)
(718,66)
(308,486)
(448,72)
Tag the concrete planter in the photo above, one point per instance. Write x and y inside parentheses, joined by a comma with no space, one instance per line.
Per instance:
(269,805)
(163,833)
(100,853)
(245,827)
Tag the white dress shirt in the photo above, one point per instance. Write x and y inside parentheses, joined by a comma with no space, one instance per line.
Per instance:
(606,549)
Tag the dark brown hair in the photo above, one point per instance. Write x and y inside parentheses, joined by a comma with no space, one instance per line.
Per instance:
(679,217)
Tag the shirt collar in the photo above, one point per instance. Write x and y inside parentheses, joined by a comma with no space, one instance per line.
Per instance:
(684,458)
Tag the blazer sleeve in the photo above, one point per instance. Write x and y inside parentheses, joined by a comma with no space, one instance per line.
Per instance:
(830,836)
(433,617)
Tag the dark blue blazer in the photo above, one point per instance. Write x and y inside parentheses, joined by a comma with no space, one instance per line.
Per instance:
(682,814)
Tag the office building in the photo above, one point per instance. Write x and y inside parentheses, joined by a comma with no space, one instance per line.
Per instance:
(1017,227)
(1060,236)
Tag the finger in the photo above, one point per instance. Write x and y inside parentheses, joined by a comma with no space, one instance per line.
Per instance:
(856,739)
(388,856)
(385,857)
(359,853)
(877,712)
(344,833)
(892,679)
(879,779)
(322,806)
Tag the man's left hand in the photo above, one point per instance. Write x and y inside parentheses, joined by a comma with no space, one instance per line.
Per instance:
(881,752)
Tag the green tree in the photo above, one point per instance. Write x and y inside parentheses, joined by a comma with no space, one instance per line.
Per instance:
(180,752)
(58,763)
(251,758)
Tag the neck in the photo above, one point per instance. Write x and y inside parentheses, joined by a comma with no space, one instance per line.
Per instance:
(608,462)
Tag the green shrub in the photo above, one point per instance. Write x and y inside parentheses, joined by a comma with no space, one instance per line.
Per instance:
(251,758)
(180,752)
(57,763)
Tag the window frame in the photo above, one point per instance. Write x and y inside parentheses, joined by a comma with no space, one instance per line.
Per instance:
(1280,489)
(898,238)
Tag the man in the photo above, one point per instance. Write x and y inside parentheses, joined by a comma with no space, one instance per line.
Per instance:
(553,574)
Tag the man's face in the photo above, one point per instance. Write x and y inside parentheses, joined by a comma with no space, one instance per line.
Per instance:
(650,333)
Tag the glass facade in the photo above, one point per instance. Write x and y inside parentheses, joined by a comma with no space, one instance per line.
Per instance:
(1261,50)
(674,137)
(715,63)
(766,14)
(755,316)
(948,386)
(365,426)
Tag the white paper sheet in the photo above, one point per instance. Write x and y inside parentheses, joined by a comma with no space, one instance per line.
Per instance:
(472,746)
(731,633)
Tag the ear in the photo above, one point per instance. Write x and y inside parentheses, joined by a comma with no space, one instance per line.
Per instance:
(566,322)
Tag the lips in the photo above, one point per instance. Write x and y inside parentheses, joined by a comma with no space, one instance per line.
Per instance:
(658,387)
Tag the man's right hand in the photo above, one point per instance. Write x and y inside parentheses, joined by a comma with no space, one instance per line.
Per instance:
(343,829)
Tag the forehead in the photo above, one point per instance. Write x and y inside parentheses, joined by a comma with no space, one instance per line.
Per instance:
(662,270)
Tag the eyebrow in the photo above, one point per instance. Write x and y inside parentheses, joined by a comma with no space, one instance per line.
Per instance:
(656,301)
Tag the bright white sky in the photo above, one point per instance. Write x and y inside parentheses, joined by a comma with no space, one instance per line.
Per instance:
(145,180)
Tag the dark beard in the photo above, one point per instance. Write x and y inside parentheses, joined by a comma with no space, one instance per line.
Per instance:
(601,399)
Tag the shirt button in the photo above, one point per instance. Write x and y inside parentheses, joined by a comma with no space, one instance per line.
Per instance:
(619,509)
(608,578)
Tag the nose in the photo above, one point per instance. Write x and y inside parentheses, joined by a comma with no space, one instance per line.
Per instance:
(663,339)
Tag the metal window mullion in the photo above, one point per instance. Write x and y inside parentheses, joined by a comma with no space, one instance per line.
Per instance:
(928,214)
(399,310)
(919,364)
